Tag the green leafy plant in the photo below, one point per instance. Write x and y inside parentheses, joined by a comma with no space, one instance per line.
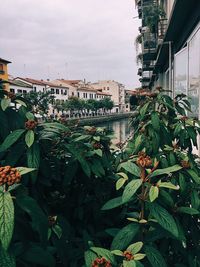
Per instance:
(157,197)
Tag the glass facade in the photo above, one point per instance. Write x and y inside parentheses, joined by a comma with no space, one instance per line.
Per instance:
(194,72)
(180,73)
(187,72)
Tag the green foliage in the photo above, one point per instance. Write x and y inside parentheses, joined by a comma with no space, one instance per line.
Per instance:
(66,209)
(158,188)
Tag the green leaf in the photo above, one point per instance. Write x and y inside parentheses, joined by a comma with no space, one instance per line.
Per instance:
(154,257)
(33,159)
(24,170)
(168,170)
(5,102)
(188,210)
(22,103)
(131,189)
(11,139)
(38,255)
(57,230)
(102,252)
(124,237)
(164,218)
(6,219)
(6,259)
(39,219)
(135,248)
(30,116)
(194,176)
(144,108)
(129,263)
(98,152)
(131,167)
(82,138)
(113,203)
(195,200)
(139,256)
(117,252)
(29,138)
(155,121)
(89,256)
(153,193)
(120,183)
(96,138)
(169,185)
(124,175)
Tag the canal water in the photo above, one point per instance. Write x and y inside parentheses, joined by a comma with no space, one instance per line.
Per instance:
(120,129)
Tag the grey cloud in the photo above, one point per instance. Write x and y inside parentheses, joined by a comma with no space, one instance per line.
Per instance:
(94,37)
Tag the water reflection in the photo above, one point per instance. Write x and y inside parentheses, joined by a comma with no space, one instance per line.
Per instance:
(120,129)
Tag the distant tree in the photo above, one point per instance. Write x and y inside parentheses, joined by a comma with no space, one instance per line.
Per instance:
(39,101)
(108,104)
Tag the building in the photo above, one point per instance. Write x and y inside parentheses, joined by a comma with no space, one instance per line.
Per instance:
(4,72)
(19,87)
(171,47)
(117,92)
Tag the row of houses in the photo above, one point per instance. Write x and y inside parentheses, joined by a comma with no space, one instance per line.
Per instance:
(63,89)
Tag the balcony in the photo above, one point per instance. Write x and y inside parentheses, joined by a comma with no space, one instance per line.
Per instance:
(149,46)
(148,65)
(162,28)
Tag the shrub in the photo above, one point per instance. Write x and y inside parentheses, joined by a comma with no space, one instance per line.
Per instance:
(157,199)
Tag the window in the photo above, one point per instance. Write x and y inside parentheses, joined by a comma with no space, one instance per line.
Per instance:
(65,92)
(194,72)
(34,88)
(61,91)
(19,91)
(1,69)
(52,91)
(78,94)
(12,90)
(57,91)
(108,88)
(180,77)
(72,93)
(24,92)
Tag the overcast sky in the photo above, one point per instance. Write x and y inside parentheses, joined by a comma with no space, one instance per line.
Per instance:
(73,39)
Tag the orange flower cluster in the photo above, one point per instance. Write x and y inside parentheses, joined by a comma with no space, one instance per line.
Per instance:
(92,130)
(143,160)
(52,220)
(9,175)
(101,262)
(30,124)
(11,95)
(97,145)
(128,255)
(185,164)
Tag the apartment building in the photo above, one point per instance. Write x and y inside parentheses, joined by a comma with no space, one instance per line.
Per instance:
(117,92)
(4,72)
(171,47)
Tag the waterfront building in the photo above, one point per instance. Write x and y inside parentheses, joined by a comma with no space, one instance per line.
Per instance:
(4,72)
(171,47)
(19,87)
(117,91)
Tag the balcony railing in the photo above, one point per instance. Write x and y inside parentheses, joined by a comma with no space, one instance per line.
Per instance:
(149,46)
(162,27)
(149,41)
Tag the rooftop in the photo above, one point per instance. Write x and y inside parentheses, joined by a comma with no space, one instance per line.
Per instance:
(4,61)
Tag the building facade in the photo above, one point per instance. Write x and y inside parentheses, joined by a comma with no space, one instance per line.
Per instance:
(4,72)
(117,92)
(171,47)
